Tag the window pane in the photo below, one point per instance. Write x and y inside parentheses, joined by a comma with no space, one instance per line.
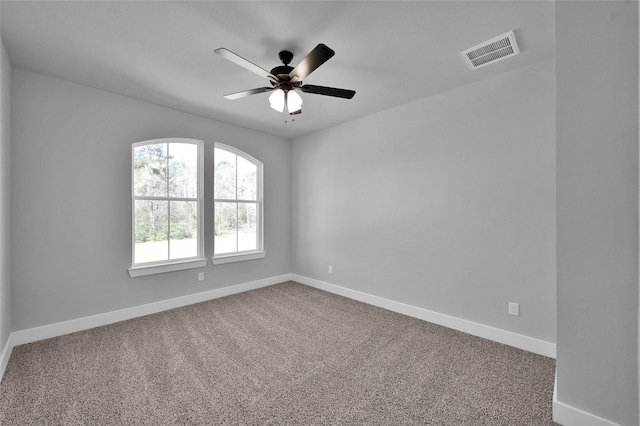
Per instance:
(225,175)
(247,227)
(150,170)
(247,180)
(183,170)
(184,229)
(226,232)
(151,227)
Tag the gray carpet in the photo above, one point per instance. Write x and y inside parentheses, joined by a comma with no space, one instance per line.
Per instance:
(285,354)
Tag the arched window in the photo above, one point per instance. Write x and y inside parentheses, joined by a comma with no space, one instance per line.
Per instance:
(167,205)
(237,205)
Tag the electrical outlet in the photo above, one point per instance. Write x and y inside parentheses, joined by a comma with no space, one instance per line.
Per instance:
(514,309)
(330,269)
(200,276)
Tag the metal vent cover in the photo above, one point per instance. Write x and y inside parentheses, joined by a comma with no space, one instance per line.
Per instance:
(494,50)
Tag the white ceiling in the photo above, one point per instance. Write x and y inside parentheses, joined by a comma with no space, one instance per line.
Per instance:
(390,53)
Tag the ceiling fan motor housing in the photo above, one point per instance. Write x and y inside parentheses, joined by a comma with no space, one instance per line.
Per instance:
(282,71)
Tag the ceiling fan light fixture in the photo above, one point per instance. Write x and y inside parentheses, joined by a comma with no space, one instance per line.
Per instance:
(294,102)
(277,100)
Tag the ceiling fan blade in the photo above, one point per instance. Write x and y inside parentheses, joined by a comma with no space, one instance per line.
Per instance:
(328,91)
(239,60)
(245,93)
(318,56)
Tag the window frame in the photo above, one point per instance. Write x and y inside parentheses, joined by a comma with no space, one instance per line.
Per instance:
(258,252)
(169,265)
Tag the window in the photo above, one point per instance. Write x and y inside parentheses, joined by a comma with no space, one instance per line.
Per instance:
(237,205)
(167,206)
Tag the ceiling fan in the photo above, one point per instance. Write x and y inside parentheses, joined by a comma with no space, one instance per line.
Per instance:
(286,80)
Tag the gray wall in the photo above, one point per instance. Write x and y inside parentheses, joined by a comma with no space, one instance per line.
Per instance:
(447,203)
(597,207)
(5,197)
(71,209)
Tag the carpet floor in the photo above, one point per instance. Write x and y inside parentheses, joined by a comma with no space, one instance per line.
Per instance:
(287,354)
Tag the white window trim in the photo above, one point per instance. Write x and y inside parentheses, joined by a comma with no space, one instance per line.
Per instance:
(259,253)
(238,257)
(141,269)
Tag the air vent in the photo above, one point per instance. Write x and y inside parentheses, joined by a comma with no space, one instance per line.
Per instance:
(494,50)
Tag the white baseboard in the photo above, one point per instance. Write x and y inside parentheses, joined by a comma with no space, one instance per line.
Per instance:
(5,354)
(562,413)
(65,327)
(519,341)
(567,415)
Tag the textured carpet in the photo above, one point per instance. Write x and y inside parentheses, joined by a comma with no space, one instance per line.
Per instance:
(285,354)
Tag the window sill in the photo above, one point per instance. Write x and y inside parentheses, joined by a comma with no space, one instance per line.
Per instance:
(139,271)
(222,259)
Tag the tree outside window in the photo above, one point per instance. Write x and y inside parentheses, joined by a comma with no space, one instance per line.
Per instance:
(166,200)
(238,202)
